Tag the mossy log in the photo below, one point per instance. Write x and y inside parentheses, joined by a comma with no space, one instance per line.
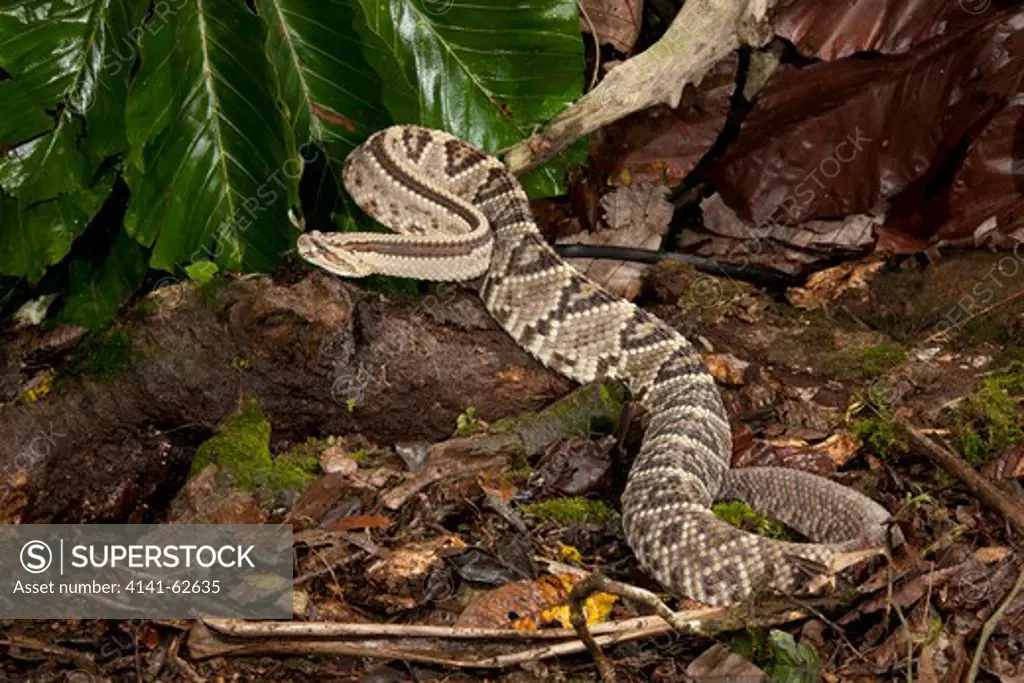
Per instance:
(321,357)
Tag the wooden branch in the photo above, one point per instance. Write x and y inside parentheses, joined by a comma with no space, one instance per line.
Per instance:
(987,492)
(703,32)
(447,646)
(321,357)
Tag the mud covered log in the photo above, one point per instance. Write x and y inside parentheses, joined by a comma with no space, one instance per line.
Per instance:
(321,357)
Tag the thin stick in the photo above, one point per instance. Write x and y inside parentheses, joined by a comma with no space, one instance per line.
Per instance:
(984,489)
(597,44)
(990,626)
(1016,295)
(180,664)
(327,629)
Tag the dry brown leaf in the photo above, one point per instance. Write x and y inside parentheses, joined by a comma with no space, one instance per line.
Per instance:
(840,448)
(637,216)
(361,522)
(617,22)
(411,562)
(717,664)
(662,143)
(497,485)
(831,283)
(1009,464)
(831,29)
(727,236)
(335,459)
(839,138)
(727,368)
(992,553)
(529,605)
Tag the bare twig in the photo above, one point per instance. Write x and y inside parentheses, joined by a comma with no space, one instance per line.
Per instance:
(439,644)
(597,43)
(985,490)
(703,32)
(579,622)
(439,470)
(79,659)
(180,664)
(960,323)
(990,625)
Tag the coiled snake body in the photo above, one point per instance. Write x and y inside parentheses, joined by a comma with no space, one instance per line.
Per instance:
(460,214)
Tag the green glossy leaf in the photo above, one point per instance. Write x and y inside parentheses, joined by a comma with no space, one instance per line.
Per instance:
(48,166)
(97,293)
(209,167)
(202,272)
(63,52)
(792,663)
(61,57)
(330,91)
(331,94)
(37,236)
(488,71)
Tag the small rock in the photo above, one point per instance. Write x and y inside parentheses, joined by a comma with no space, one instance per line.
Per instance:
(334,460)
(413,453)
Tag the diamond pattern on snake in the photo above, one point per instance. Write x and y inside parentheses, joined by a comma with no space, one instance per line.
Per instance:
(458,215)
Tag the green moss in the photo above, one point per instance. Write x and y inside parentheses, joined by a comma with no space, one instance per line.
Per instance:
(369,457)
(241,447)
(879,434)
(579,412)
(202,272)
(741,515)
(148,305)
(520,470)
(565,511)
(865,362)
(107,355)
(875,426)
(504,425)
(988,420)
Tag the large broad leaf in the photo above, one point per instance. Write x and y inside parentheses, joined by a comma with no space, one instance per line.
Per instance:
(62,57)
(330,91)
(209,168)
(331,95)
(488,71)
(35,237)
(76,53)
(48,200)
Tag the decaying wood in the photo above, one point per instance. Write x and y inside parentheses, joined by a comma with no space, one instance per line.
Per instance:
(703,32)
(322,358)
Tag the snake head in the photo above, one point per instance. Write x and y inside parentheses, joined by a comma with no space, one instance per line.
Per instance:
(328,251)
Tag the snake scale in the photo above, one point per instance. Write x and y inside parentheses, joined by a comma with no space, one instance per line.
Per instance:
(459,214)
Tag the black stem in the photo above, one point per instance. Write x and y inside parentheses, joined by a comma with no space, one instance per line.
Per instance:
(761,277)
